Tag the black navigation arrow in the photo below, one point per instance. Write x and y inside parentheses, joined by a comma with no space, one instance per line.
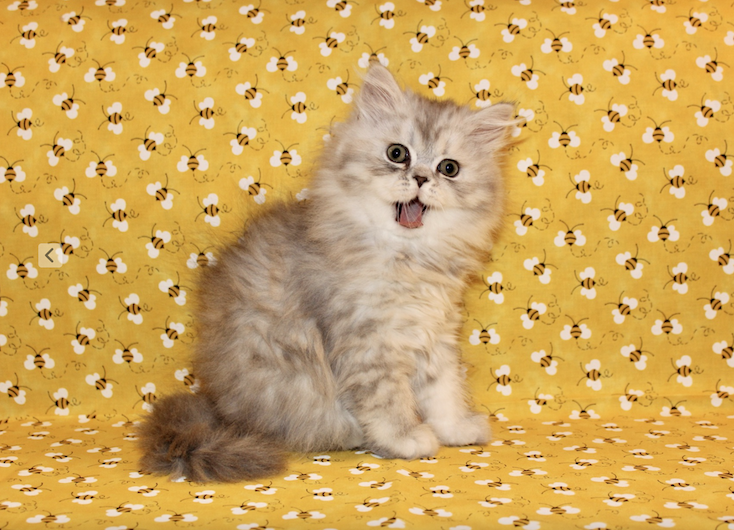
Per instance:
(49,257)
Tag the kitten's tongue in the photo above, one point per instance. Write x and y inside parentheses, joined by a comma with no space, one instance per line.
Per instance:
(410,214)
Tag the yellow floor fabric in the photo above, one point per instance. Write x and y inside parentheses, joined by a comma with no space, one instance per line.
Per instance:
(142,134)
(586,473)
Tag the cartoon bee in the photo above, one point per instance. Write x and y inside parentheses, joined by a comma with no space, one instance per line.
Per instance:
(648,40)
(667,325)
(512,28)
(253,14)
(533,169)
(592,374)
(341,88)
(717,398)
(101,383)
(527,218)
(706,111)
(282,63)
(252,93)
(683,372)
(201,258)
(172,332)
(82,338)
(28,220)
(241,47)
(620,214)
(557,44)
(622,308)
(546,360)
(343,7)
(494,288)
(725,350)
(678,278)
(160,100)
(574,89)
(481,93)
(331,42)
(386,15)
(667,83)
(296,23)
(193,162)
(613,114)
(133,309)
(635,355)
(67,246)
(723,259)
(620,70)
(485,335)
(147,396)
(113,118)
(14,77)
(186,378)
(40,360)
(297,107)
(541,269)
(14,391)
(162,193)
(173,290)
(712,66)
(584,413)
(117,30)
(421,36)
(467,50)
(242,138)
(570,236)
(127,354)
(27,35)
(532,313)
(713,208)
(192,68)
(539,401)
(631,263)
(675,181)
(286,157)
(67,103)
(84,294)
(205,112)
(23,269)
(664,232)
(60,400)
(156,241)
(23,123)
(586,282)
(576,330)
(254,188)
(118,215)
(567,6)
(103,72)
(476,10)
(210,209)
(502,379)
(527,75)
(112,264)
(207,28)
(720,160)
(564,138)
(581,186)
(11,172)
(374,55)
(164,18)
(658,133)
(435,83)
(716,301)
(150,52)
(101,168)
(604,22)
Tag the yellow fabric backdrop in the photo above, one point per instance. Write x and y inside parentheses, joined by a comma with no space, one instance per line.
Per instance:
(140,135)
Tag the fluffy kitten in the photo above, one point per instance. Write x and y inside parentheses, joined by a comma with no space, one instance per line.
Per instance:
(332,324)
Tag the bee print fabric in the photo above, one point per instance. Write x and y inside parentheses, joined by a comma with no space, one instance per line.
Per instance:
(599,339)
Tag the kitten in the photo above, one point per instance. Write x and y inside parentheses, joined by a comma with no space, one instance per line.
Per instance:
(333,323)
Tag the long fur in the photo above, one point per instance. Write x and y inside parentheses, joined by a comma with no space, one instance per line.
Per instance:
(330,326)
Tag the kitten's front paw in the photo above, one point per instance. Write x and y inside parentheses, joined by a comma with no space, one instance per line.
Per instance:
(473,430)
(418,443)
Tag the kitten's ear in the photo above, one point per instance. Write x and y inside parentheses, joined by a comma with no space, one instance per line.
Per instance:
(380,95)
(492,124)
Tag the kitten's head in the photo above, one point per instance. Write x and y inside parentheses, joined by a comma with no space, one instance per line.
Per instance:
(415,171)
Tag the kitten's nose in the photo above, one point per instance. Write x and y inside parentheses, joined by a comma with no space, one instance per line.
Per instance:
(420,180)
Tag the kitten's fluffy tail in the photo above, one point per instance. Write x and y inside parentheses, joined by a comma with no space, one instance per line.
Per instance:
(184,438)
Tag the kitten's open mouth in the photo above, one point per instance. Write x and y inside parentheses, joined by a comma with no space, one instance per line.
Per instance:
(410,214)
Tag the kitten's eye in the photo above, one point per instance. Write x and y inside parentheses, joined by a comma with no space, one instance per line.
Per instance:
(398,153)
(448,167)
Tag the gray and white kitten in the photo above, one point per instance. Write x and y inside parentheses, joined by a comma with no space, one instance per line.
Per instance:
(333,323)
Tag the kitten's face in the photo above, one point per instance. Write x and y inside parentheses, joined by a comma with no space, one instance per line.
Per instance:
(417,169)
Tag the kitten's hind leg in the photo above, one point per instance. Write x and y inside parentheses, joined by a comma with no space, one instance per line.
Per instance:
(442,401)
(385,407)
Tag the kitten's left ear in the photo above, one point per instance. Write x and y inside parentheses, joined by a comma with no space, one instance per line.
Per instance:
(492,124)
(380,95)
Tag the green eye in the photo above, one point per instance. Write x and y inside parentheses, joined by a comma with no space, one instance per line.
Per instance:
(448,167)
(398,153)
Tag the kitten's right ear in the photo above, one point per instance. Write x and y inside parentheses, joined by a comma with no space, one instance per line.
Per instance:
(380,95)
